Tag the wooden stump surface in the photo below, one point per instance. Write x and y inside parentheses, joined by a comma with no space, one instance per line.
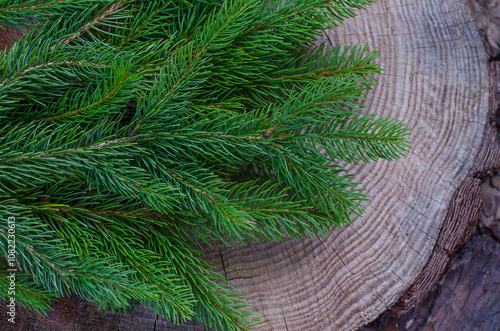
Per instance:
(468,295)
(436,80)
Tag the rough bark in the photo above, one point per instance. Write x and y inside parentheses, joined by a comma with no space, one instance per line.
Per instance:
(468,295)
(490,216)
(479,250)
(465,205)
(8,36)
(436,80)
(415,318)
(486,16)
(467,298)
(77,314)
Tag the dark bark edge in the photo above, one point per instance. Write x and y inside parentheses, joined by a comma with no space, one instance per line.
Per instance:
(465,206)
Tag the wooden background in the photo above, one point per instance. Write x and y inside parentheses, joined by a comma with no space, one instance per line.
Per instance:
(436,80)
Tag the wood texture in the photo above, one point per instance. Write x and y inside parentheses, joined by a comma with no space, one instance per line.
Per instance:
(477,261)
(467,298)
(77,314)
(486,17)
(8,36)
(436,80)
(464,208)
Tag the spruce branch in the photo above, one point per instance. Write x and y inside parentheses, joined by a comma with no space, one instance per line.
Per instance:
(112,8)
(133,132)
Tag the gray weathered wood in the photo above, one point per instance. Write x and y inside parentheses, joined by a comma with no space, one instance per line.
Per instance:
(468,296)
(436,80)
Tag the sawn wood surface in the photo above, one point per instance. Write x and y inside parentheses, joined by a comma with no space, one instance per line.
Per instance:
(436,80)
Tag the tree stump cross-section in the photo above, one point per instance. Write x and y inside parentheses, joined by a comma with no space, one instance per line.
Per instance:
(436,80)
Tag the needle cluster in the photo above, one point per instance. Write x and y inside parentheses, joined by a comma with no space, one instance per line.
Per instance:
(134,132)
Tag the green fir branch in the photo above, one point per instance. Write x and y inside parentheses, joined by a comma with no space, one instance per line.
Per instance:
(132,133)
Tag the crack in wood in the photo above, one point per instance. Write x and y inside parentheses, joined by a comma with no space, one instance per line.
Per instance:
(222,260)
